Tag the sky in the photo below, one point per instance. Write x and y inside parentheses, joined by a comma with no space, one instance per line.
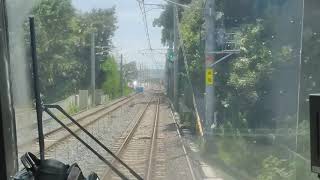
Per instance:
(130,38)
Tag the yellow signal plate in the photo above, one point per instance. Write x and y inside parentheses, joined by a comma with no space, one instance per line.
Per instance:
(209,77)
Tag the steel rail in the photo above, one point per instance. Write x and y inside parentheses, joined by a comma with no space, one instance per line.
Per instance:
(94,138)
(85,125)
(81,118)
(127,139)
(183,147)
(153,142)
(85,144)
(92,113)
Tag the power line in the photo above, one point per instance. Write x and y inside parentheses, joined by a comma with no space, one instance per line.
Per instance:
(154,4)
(178,4)
(153,51)
(145,21)
(151,9)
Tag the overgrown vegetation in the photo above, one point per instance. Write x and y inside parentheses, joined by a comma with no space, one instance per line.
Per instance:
(73,109)
(64,42)
(256,90)
(112,84)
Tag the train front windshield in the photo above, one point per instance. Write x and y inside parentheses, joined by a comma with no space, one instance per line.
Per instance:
(177,89)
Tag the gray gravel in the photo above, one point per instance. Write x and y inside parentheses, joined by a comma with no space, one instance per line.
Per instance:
(27,131)
(107,130)
(170,160)
(175,159)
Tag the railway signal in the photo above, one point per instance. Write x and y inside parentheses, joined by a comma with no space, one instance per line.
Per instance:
(170,55)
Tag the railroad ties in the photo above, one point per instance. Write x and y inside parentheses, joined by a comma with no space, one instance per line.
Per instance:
(138,146)
(134,128)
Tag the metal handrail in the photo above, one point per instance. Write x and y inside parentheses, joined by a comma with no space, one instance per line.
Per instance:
(47,108)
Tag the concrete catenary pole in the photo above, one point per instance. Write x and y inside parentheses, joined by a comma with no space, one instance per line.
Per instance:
(210,58)
(167,73)
(121,75)
(93,69)
(176,59)
(140,75)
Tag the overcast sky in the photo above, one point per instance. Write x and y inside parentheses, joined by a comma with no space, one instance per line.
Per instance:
(130,37)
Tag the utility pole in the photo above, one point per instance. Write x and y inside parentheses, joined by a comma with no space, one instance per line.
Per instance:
(166,76)
(121,75)
(210,58)
(144,74)
(176,59)
(147,80)
(93,70)
(140,75)
(37,94)
(170,65)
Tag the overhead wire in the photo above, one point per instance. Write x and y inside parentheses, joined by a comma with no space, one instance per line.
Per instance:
(178,4)
(145,21)
(146,27)
(150,9)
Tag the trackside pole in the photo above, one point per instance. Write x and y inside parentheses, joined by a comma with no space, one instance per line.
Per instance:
(36,87)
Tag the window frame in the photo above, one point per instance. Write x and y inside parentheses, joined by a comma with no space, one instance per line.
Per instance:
(8,139)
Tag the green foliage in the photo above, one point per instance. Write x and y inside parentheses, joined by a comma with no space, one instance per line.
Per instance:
(276,169)
(228,155)
(127,91)
(191,24)
(112,84)
(63,41)
(249,158)
(103,23)
(310,63)
(130,71)
(166,22)
(243,92)
(57,62)
(73,109)
(246,86)
(253,67)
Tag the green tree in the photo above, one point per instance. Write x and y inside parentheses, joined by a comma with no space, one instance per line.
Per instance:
(244,91)
(310,78)
(57,30)
(64,43)
(165,21)
(112,84)
(191,30)
(101,22)
(130,72)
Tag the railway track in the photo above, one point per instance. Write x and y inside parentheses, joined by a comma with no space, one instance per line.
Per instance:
(138,147)
(58,135)
(117,103)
